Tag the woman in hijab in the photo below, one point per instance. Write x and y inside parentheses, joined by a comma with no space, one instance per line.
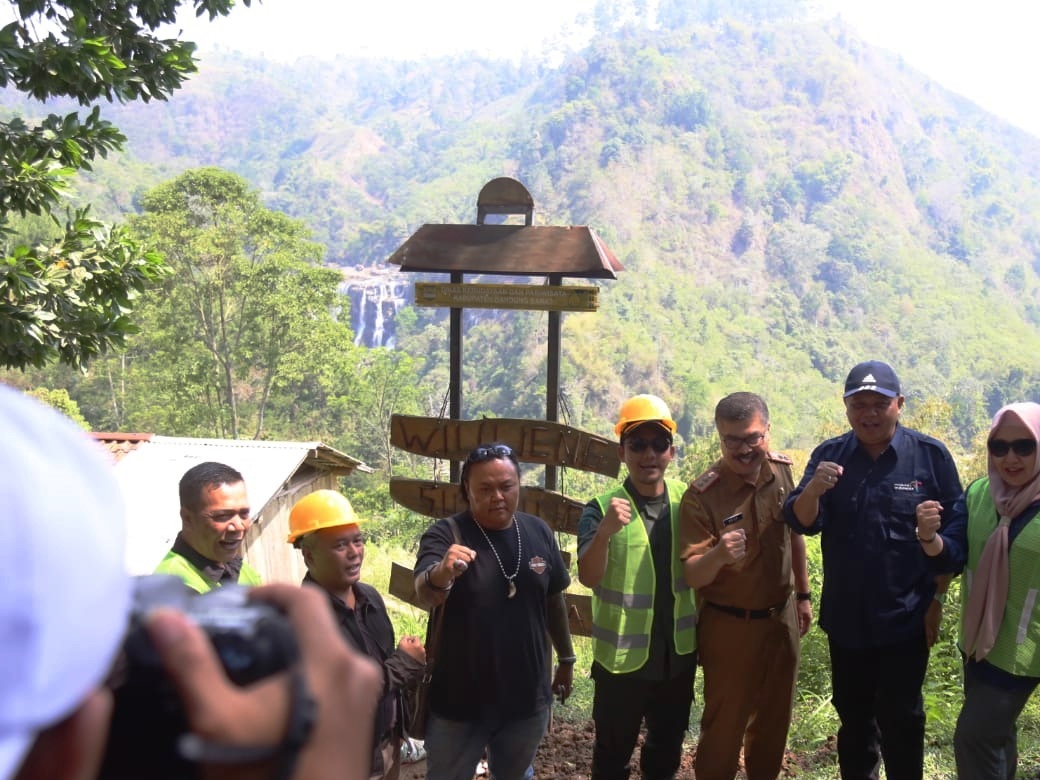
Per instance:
(992,532)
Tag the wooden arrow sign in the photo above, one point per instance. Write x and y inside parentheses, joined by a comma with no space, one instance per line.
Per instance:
(533,441)
(440,499)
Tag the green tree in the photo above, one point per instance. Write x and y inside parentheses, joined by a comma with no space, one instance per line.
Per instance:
(71,298)
(245,299)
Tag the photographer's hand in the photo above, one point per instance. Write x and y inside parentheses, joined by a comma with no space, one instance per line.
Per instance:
(344,684)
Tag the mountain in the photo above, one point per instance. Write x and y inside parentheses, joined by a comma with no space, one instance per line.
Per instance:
(786,201)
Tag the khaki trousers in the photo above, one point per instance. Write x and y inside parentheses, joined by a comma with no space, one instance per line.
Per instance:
(750,666)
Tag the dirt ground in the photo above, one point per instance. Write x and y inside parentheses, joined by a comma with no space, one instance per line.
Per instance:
(566,754)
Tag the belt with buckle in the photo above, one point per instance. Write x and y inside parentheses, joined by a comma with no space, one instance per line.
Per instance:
(750,614)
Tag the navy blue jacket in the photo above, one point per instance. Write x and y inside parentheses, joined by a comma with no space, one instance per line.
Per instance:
(877,584)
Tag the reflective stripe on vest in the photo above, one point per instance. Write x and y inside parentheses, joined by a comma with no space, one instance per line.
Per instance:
(627,600)
(615,640)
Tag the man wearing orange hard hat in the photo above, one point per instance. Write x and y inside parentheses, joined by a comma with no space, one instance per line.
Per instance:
(644,616)
(324,526)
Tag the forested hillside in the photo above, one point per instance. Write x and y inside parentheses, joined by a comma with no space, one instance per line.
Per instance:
(785,199)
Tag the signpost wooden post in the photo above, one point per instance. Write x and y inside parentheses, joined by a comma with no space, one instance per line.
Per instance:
(551,252)
(533,297)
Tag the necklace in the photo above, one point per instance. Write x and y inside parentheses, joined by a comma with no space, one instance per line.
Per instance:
(511,579)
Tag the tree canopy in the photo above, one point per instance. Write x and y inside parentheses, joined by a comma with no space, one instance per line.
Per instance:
(69,296)
(245,296)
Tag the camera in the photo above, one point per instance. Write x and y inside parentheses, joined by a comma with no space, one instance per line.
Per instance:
(252,640)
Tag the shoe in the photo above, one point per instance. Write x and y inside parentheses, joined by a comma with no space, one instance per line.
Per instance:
(412,751)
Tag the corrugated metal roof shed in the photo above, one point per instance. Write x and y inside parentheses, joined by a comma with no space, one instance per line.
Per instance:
(148,469)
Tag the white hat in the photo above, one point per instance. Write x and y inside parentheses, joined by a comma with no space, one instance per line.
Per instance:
(66,595)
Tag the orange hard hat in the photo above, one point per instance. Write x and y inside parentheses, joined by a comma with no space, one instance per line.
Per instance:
(644,408)
(320,509)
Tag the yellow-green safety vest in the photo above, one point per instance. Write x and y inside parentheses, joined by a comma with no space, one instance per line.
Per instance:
(192,577)
(1017,648)
(623,602)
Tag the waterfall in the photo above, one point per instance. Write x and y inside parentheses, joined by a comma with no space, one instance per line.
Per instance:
(374,303)
(358,304)
(377,330)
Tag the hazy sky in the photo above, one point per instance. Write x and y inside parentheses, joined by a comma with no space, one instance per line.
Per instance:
(983,49)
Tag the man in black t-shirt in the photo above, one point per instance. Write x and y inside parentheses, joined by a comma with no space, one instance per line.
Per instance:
(501,582)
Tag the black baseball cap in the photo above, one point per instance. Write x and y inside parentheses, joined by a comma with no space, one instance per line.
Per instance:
(874,376)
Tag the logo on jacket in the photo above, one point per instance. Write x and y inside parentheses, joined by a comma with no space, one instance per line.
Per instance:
(538,565)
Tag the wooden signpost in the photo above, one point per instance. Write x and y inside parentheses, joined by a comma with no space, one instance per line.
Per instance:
(552,252)
(440,499)
(532,297)
(533,441)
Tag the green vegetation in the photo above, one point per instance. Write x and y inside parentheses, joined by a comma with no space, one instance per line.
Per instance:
(785,200)
(67,292)
(245,300)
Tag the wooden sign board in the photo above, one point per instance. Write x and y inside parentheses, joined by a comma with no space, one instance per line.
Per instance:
(402,584)
(579,610)
(533,297)
(440,499)
(579,605)
(533,441)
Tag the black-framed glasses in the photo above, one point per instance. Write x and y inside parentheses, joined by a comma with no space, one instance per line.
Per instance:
(227,515)
(998,448)
(493,452)
(736,442)
(639,444)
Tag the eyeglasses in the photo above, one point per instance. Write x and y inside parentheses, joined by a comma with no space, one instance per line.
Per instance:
(639,444)
(493,452)
(736,442)
(998,448)
(227,515)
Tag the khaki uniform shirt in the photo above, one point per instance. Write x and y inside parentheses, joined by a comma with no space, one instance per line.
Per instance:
(763,578)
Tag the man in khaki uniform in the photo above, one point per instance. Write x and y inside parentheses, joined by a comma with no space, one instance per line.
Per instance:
(750,575)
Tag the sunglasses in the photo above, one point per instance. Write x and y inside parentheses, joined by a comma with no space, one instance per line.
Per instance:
(638,444)
(494,452)
(998,448)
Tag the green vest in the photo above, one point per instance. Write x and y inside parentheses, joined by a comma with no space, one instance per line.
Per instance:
(192,577)
(1017,648)
(623,602)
